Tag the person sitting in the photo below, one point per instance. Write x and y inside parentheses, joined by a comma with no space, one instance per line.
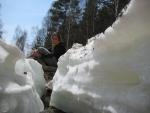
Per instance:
(49,59)
(58,49)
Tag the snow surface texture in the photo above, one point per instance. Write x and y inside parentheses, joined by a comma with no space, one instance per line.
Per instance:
(20,80)
(111,74)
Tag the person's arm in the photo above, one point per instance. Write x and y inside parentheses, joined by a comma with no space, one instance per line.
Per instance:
(48,55)
(45,53)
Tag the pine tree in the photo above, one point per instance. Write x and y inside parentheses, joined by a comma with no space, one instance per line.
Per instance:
(63,18)
(105,15)
(52,21)
(89,18)
(77,25)
(71,23)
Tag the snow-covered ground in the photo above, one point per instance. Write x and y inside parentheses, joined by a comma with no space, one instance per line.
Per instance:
(21,82)
(111,74)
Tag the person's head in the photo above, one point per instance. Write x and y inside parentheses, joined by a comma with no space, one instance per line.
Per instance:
(55,39)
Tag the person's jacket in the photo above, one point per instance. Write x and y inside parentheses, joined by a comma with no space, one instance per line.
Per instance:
(58,50)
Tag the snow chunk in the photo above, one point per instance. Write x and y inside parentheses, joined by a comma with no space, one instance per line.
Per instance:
(111,73)
(20,80)
(3,54)
(37,74)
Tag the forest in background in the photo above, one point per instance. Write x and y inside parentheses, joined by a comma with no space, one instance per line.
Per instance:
(75,20)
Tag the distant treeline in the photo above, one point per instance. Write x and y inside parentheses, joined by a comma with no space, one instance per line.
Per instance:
(78,20)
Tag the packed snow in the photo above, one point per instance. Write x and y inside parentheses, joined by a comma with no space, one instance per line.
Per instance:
(21,82)
(111,74)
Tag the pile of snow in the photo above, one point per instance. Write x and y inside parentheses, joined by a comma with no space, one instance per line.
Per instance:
(37,75)
(111,74)
(20,80)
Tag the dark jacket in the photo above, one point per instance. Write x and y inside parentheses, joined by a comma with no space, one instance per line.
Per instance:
(57,51)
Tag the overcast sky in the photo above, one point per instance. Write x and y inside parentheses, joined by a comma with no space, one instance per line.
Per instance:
(25,13)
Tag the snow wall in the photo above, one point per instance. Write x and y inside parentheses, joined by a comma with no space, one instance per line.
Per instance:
(111,74)
(21,82)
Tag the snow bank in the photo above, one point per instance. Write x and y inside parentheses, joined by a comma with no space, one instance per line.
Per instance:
(20,80)
(111,74)
(37,75)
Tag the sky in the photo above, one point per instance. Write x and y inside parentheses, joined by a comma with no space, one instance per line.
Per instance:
(23,13)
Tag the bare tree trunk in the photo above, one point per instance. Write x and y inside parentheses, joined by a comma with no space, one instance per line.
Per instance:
(116,7)
(87,24)
(69,25)
(93,26)
(68,36)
